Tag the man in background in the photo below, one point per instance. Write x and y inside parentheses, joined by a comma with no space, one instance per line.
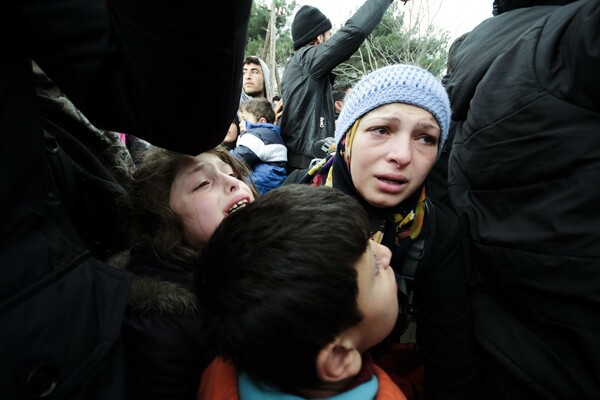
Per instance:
(340,91)
(256,80)
(308,113)
(523,176)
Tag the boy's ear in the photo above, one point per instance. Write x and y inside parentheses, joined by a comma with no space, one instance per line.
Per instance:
(338,361)
(262,120)
(338,105)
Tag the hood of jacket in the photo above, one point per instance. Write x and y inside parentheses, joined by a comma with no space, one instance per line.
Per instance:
(159,288)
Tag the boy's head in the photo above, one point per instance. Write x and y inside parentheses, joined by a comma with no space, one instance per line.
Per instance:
(294,290)
(257,109)
(340,91)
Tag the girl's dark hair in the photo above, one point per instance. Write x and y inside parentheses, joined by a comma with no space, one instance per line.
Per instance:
(155,227)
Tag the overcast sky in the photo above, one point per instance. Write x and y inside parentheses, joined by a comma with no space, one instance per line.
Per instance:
(454,16)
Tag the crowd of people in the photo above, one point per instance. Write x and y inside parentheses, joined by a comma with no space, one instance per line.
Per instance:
(288,250)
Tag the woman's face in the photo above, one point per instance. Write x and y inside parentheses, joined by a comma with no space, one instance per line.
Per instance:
(394,148)
(203,193)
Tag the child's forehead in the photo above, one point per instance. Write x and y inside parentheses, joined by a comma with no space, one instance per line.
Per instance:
(395,106)
(398,109)
(245,113)
(206,161)
(209,158)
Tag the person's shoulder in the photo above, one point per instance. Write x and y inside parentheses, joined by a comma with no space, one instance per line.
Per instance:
(297,59)
(260,130)
(446,219)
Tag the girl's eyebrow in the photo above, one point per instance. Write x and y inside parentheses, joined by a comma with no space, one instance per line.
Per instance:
(218,165)
(199,167)
(427,125)
(203,167)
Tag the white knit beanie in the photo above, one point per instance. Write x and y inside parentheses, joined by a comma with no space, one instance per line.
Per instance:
(398,83)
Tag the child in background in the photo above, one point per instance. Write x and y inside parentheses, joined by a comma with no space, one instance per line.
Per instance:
(232,134)
(260,144)
(292,305)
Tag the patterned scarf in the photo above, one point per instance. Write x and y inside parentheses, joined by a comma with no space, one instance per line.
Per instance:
(394,227)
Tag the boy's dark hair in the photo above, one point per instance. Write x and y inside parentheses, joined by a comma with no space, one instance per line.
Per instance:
(340,89)
(155,227)
(259,107)
(278,281)
(253,60)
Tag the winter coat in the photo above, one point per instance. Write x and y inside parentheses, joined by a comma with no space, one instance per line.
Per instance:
(524,177)
(165,338)
(220,382)
(306,85)
(132,67)
(444,316)
(263,151)
(443,312)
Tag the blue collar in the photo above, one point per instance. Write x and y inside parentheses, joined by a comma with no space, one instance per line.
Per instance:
(250,390)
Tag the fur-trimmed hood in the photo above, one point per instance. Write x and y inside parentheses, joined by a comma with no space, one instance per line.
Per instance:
(160,288)
(150,295)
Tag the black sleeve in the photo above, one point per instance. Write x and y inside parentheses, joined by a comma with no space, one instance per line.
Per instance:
(144,67)
(570,43)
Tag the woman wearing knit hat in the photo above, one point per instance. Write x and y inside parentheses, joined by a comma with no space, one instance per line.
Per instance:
(389,135)
(306,86)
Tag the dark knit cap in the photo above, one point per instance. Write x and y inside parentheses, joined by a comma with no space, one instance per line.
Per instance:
(502,6)
(308,23)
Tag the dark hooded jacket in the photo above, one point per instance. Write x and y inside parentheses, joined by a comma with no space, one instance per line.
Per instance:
(128,66)
(524,177)
(165,338)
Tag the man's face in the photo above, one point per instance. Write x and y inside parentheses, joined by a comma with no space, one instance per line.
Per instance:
(254,80)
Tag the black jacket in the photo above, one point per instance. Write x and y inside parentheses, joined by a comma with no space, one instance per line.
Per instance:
(164,335)
(306,85)
(129,66)
(444,316)
(524,177)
